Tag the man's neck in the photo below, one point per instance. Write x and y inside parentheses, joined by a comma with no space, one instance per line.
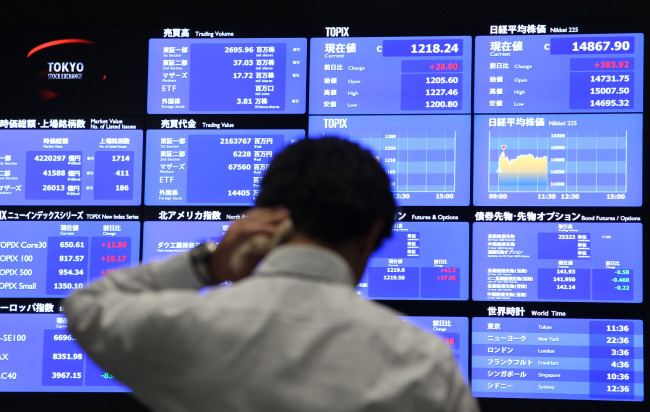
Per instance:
(347,251)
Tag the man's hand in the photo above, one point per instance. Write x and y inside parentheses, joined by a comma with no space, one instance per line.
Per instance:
(258,221)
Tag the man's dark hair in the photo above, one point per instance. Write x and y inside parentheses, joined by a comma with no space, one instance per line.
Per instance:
(334,189)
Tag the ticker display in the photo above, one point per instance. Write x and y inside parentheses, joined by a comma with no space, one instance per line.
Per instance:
(227,76)
(70,167)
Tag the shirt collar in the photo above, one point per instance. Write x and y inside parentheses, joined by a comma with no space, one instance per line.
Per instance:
(306,261)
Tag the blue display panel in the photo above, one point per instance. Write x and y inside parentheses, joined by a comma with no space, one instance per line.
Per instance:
(423,261)
(582,359)
(205,167)
(390,75)
(426,157)
(454,331)
(559,73)
(568,160)
(560,262)
(53,259)
(227,76)
(40,356)
(162,240)
(70,167)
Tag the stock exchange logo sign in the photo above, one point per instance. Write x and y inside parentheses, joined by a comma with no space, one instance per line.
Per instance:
(65,70)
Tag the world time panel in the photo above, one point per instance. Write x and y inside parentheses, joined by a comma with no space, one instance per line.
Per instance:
(559,73)
(426,157)
(70,167)
(559,262)
(39,355)
(52,259)
(581,359)
(206,167)
(227,76)
(390,75)
(454,331)
(558,160)
(421,261)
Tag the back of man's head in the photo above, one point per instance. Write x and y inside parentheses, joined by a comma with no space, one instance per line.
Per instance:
(335,190)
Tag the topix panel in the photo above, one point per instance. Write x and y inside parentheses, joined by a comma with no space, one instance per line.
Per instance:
(70,167)
(390,75)
(255,76)
(426,157)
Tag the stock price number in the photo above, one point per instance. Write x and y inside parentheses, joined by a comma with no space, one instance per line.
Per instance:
(67,244)
(239,49)
(610,78)
(239,192)
(435,104)
(113,245)
(50,158)
(54,173)
(609,103)
(609,90)
(113,258)
(441,80)
(120,158)
(71,258)
(53,188)
(66,375)
(71,272)
(434,48)
(67,356)
(623,64)
(442,92)
(68,286)
(600,46)
(239,166)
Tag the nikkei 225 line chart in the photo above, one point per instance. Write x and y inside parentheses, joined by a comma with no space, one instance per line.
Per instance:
(569,160)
